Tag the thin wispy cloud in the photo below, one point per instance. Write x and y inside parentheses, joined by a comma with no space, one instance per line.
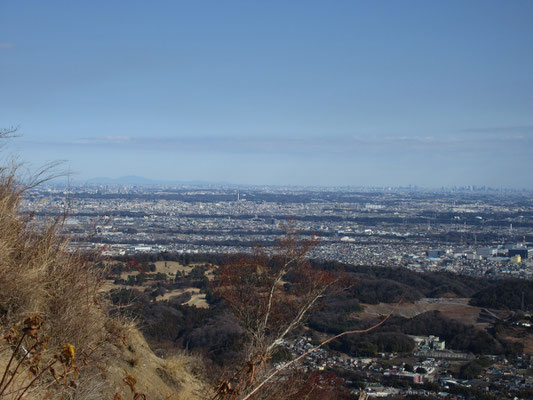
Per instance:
(298,145)
(7,46)
(525,129)
(106,140)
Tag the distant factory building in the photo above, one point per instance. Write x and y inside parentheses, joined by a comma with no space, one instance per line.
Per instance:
(486,251)
(508,246)
(435,253)
(522,252)
(347,239)
(428,342)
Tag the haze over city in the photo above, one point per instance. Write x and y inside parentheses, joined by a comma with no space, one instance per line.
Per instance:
(255,200)
(301,93)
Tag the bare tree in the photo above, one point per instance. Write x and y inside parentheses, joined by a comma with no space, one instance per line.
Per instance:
(269,377)
(270,294)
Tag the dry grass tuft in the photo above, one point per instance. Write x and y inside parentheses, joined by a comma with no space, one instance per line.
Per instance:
(57,339)
(38,277)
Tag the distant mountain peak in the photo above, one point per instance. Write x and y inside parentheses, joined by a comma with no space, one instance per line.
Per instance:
(140,180)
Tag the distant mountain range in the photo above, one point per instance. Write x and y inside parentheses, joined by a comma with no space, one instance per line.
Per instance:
(142,181)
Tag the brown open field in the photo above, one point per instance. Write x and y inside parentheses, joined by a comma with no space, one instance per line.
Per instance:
(177,292)
(198,300)
(171,267)
(457,309)
(109,285)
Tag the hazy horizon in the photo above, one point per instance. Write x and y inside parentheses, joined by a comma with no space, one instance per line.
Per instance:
(274,93)
(142,181)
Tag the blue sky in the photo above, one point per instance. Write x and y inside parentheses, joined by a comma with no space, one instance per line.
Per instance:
(427,93)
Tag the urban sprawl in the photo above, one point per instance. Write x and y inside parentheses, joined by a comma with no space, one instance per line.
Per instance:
(466,230)
(469,231)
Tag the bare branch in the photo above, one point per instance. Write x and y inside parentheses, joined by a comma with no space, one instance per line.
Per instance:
(8,133)
(276,372)
(270,296)
(298,319)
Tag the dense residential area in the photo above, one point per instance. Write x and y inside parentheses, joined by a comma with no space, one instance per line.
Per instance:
(472,231)
(448,270)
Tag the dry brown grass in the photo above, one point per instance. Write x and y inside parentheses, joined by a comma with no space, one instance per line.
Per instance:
(41,279)
(38,275)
